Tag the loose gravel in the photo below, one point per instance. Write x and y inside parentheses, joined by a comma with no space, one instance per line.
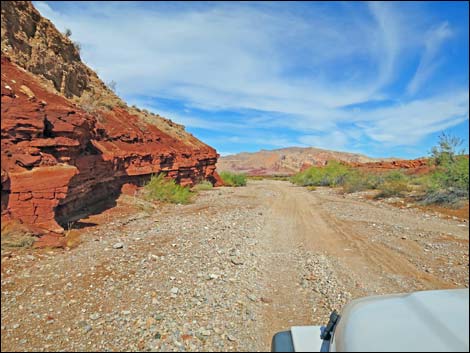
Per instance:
(210,276)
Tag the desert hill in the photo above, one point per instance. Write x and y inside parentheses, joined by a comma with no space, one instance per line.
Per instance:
(286,161)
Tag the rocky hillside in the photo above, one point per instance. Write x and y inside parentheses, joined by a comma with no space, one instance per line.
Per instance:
(68,142)
(285,161)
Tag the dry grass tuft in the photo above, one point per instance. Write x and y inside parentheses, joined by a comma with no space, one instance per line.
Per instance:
(16,235)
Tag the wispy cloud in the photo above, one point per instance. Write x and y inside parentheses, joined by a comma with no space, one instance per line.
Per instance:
(335,140)
(406,124)
(430,61)
(387,43)
(298,67)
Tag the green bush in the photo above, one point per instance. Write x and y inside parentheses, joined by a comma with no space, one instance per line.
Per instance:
(392,188)
(166,190)
(394,183)
(455,174)
(203,185)
(359,181)
(233,179)
(449,183)
(445,152)
(333,174)
(447,197)
(395,176)
(256,177)
(337,174)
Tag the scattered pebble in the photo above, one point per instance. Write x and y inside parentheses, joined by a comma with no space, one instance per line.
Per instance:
(118,246)
(182,287)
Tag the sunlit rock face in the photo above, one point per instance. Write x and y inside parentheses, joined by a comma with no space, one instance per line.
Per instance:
(68,142)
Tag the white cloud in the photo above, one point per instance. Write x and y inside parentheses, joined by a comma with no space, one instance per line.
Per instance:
(407,124)
(429,61)
(281,69)
(335,140)
(387,43)
(225,56)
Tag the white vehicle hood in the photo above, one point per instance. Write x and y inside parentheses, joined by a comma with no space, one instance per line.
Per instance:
(421,321)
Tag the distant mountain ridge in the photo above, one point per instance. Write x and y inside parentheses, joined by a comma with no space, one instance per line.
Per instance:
(288,161)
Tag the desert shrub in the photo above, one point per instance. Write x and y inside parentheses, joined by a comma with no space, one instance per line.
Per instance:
(449,183)
(16,235)
(233,179)
(279,177)
(395,176)
(424,181)
(333,174)
(166,190)
(88,103)
(256,177)
(359,181)
(112,85)
(454,175)
(136,107)
(448,197)
(394,183)
(445,152)
(203,185)
(68,32)
(451,165)
(17,241)
(77,46)
(392,188)
(72,238)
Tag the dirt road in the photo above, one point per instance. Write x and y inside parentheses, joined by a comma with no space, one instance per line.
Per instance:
(224,273)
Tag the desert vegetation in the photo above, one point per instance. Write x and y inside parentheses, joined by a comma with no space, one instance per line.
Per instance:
(449,183)
(77,46)
(159,188)
(112,85)
(16,235)
(268,177)
(233,179)
(202,185)
(163,189)
(446,184)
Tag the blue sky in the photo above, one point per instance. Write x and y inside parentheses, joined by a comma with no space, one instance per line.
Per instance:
(379,78)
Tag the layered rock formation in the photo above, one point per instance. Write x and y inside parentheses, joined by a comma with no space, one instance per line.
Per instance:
(68,142)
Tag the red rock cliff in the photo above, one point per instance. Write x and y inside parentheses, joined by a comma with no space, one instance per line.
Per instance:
(59,155)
